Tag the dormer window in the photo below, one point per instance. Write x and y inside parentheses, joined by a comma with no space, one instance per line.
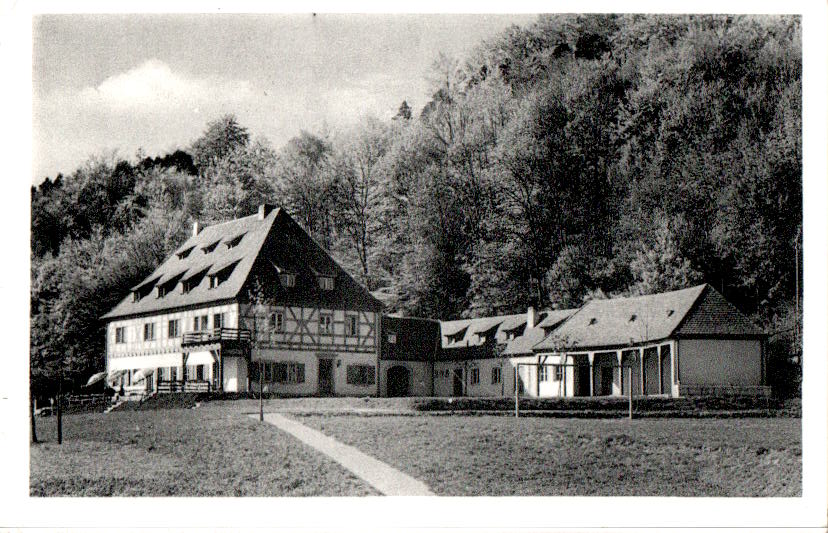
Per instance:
(220,273)
(183,254)
(326,283)
(670,312)
(144,289)
(210,247)
(592,321)
(193,281)
(287,279)
(633,317)
(234,241)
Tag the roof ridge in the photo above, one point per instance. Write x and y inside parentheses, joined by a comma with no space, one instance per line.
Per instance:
(229,221)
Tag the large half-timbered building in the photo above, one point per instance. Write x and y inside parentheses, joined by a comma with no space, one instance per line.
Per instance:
(249,303)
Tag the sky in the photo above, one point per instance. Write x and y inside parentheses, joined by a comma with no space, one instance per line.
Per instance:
(103,83)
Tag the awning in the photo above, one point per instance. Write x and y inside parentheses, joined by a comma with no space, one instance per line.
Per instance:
(113,375)
(96,378)
(142,374)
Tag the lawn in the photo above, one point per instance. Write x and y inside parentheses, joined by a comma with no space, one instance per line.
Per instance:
(497,456)
(198,452)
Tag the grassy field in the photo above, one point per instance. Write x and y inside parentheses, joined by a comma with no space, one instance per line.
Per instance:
(495,455)
(200,452)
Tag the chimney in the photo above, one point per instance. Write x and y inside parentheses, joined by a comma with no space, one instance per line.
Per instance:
(196,228)
(531,317)
(265,210)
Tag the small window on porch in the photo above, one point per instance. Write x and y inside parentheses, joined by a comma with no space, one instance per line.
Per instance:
(496,376)
(543,374)
(474,376)
(559,374)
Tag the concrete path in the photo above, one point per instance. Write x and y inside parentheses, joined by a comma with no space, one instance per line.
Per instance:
(389,481)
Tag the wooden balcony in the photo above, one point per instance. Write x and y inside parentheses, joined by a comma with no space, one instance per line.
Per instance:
(223,338)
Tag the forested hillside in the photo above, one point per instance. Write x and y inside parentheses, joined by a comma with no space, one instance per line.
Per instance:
(579,157)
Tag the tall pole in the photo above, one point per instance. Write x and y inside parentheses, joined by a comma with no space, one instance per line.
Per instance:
(33,406)
(59,408)
(517,399)
(261,391)
(631,390)
(796,278)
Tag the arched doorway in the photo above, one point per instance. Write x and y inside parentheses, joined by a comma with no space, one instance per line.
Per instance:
(399,381)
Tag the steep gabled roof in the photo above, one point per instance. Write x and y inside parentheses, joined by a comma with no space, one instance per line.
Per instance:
(272,234)
(624,321)
(197,261)
(714,316)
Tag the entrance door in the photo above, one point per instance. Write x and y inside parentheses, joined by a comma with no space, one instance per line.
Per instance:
(458,382)
(398,381)
(326,384)
(582,380)
(606,380)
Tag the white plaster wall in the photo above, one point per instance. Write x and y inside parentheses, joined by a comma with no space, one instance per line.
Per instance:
(485,388)
(720,362)
(444,377)
(341,362)
(235,374)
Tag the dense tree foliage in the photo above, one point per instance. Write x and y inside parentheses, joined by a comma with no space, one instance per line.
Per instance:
(578,157)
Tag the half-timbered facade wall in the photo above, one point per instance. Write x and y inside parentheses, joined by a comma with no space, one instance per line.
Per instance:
(295,338)
(154,342)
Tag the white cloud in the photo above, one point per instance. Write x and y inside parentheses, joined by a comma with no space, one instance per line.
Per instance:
(154,86)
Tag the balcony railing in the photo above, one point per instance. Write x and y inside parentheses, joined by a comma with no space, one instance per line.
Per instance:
(216,335)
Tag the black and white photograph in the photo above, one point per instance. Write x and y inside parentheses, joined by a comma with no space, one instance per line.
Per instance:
(359,262)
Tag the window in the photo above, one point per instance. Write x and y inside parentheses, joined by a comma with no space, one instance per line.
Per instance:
(295,373)
(325,323)
(218,320)
(174,329)
(277,321)
(120,335)
(200,323)
(360,375)
(392,338)
(149,331)
(351,325)
(559,372)
(474,376)
(496,375)
(173,373)
(326,283)
(184,253)
(543,375)
(287,279)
